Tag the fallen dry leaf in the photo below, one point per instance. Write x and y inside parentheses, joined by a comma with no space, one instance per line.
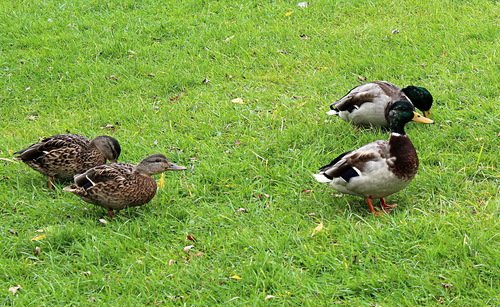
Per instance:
(227,39)
(188,248)
(108,126)
(361,78)
(269,297)
(190,237)
(171,262)
(235,277)
(14,289)
(238,101)
(241,210)
(317,229)
(306,191)
(289,13)
(38,238)
(103,221)
(40,230)
(198,254)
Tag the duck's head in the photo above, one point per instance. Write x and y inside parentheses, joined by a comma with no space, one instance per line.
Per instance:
(420,97)
(108,146)
(157,163)
(402,112)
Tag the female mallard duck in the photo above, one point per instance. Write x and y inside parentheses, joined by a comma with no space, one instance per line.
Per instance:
(378,169)
(65,155)
(118,185)
(369,104)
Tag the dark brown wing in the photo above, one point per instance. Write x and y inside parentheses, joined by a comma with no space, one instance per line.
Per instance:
(103,173)
(38,150)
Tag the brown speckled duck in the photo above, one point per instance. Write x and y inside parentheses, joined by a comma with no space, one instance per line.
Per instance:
(65,155)
(380,168)
(117,186)
(368,104)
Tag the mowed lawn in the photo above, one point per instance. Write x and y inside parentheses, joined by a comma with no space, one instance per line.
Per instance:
(237,91)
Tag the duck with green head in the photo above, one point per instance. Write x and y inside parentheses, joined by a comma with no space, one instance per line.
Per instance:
(369,103)
(380,168)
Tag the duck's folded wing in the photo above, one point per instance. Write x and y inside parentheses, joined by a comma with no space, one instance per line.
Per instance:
(356,97)
(39,149)
(103,173)
(351,164)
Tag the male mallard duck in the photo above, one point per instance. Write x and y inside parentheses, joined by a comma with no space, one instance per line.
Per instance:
(369,103)
(118,185)
(65,155)
(377,169)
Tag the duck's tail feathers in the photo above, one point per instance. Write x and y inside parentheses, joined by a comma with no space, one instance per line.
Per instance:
(321,178)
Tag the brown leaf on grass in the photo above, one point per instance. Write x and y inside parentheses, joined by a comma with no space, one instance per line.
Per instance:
(175,98)
(241,210)
(317,229)
(237,142)
(14,289)
(361,78)
(306,191)
(446,286)
(198,254)
(190,237)
(187,249)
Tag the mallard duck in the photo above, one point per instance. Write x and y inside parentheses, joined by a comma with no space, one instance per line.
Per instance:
(64,155)
(116,186)
(380,168)
(369,103)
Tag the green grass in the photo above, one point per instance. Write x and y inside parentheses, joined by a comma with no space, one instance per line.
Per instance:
(76,66)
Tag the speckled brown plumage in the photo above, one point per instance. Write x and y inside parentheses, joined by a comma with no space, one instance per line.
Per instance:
(118,185)
(65,155)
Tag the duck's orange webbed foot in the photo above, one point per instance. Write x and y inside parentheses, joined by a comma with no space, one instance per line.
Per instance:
(386,207)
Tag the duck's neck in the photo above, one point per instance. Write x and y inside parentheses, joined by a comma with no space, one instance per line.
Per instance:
(406,164)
